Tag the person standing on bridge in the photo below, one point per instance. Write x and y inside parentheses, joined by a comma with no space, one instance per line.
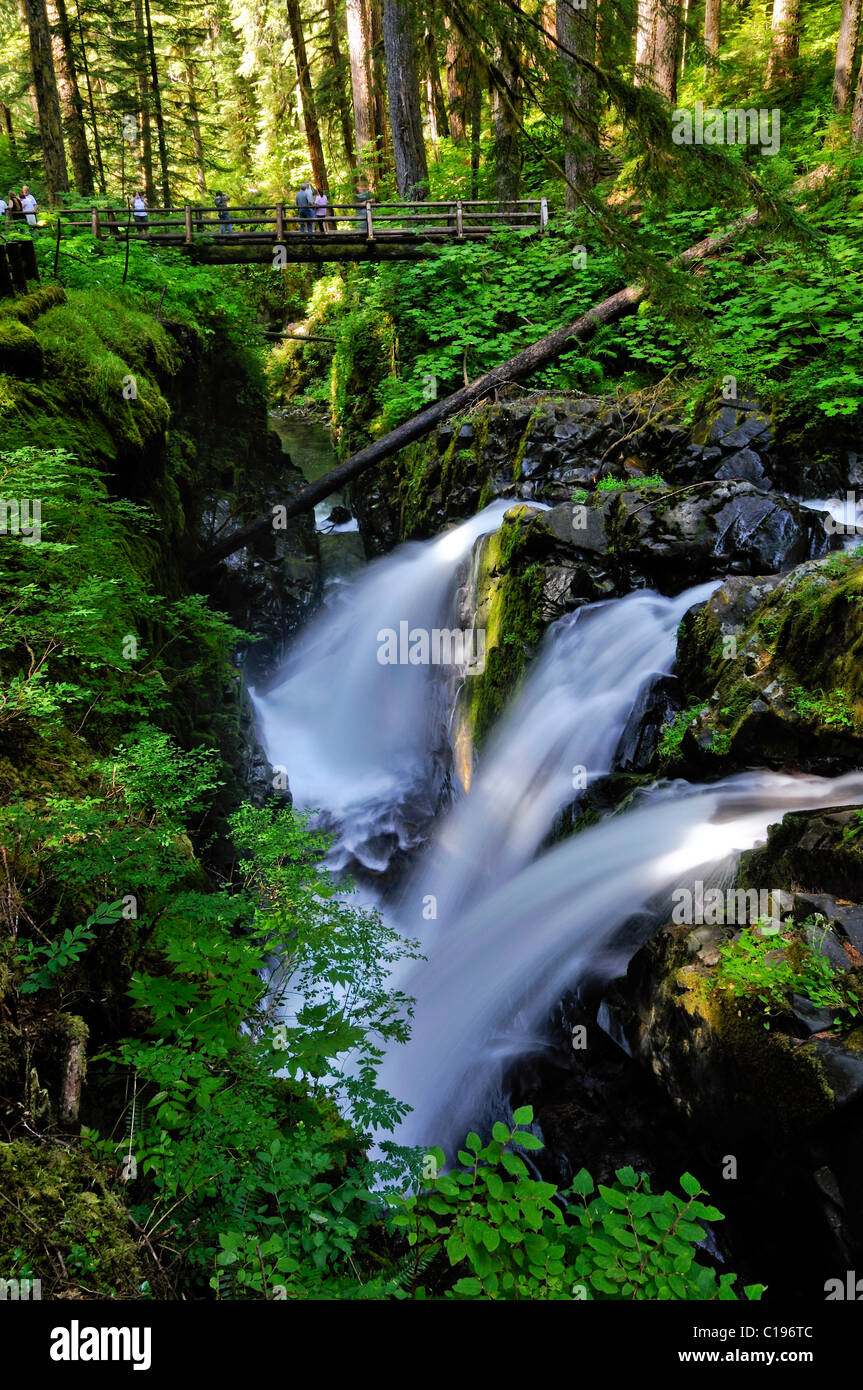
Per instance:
(29,205)
(139,210)
(306,207)
(362,196)
(220,201)
(322,208)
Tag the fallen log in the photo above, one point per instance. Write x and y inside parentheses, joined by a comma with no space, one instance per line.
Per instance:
(523,364)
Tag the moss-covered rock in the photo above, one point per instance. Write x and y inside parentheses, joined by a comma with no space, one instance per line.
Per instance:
(20,351)
(771,671)
(60,1223)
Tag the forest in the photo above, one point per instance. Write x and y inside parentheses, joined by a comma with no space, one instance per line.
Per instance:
(431,657)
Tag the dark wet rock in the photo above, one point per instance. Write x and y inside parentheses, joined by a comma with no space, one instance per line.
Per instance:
(654,708)
(745,464)
(339,516)
(846,916)
(815,850)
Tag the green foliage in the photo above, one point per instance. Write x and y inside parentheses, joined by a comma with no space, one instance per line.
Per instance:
(42,964)
(609,484)
(507,1235)
(765,965)
(672,735)
(832,709)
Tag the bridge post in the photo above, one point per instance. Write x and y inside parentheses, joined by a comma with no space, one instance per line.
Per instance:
(543,214)
(94,223)
(369,229)
(280,222)
(458,221)
(188,211)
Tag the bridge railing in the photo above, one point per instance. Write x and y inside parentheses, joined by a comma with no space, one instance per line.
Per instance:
(451,219)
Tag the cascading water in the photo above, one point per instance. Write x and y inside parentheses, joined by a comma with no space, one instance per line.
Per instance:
(489,983)
(359,739)
(562,729)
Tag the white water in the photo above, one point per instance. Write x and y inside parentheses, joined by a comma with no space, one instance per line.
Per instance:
(357,737)
(561,729)
(491,980)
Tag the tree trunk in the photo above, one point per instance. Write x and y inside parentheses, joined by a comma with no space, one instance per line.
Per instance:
(145,143)
(310,115)
(341,94)
(784,42)
(843,73)
(412,175)
(712,27)
(507,106)
(362,85)
(379,86)
(157,105)
(195,123)
(71,104)
(576,31)
(645,42)
(47,99)
(857,113)
(437,104)
(475,135)
(523,364)
(459,83)
(97,148)
(666,51)
(7,126)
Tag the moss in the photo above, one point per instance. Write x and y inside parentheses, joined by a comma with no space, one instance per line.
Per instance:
(60,1223)
(20,351)
(510,588)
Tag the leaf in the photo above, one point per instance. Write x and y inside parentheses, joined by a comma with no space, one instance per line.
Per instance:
(524,1115)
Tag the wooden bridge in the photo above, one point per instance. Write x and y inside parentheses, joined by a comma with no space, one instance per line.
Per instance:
(276,234)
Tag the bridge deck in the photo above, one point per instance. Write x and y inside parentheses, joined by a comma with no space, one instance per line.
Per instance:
(278,234)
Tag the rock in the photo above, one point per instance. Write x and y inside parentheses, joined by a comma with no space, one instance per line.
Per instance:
(339,516)
(655,707)
(812,1019)
(745,464)
(843,1069)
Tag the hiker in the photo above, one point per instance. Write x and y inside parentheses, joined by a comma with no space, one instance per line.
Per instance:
(28,205)
(220,201)
(3,206)
(322,207)
(362,196)
(16,212)
(305,207)
(139,210)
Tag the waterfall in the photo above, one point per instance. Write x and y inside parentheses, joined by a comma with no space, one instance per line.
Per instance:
(561,730)
(366,742)
(491,980)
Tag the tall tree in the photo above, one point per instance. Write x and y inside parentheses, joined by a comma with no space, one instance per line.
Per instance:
(459,85)
(645,41)
(156,91)
(857,112)
(341,96)
(784,41)
(195,124)
(360,46)
(437,104)
(712,27)
(145,141)
(843,72)
(91,105)
(47,99)
(576,31)
(304,82)
(507,107)
(412,175)
(71,105)
(666,48)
